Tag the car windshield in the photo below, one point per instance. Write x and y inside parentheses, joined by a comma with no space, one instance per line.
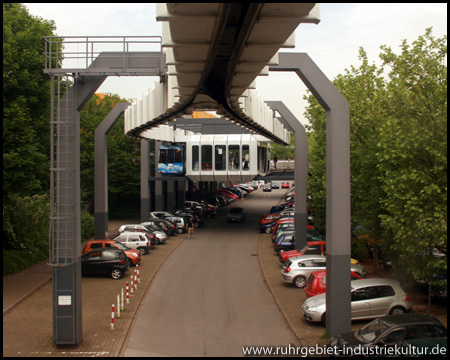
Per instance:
(235,210)
(371,331)
(304,248)
(121,246)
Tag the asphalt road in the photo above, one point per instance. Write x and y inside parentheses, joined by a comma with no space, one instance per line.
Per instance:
(209,298)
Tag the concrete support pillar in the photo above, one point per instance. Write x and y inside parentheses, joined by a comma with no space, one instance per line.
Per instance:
(300,171)
(159,198)
(171,199)
(101,170)
(145,185)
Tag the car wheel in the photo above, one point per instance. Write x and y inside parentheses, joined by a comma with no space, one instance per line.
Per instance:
(130,262)
(323,320)
(116,274)
(179,230)
(300,282)
(268,230)
(398,310)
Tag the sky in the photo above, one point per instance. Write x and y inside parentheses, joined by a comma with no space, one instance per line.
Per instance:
(333,44)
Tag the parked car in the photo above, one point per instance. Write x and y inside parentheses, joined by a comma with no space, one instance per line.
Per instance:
(228,194)
(285,242)
(136,240)
(296,270)
(267,187)
(112,262)
(270,226)
(160,234)
(134,256)
(179,221)
(168,227)
(276,209)
(236,214)
(316,282)
(392,330)
(370,298)
(282,231)
(137,227)
(311,248)
(285,185)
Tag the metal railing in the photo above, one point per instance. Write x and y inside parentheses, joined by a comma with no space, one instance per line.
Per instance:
(72,54)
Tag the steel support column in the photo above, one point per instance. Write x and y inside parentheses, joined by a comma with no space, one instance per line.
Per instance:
(159,196)
(65,230)
(338,313)
(300,171)
(101,170)
(145,176)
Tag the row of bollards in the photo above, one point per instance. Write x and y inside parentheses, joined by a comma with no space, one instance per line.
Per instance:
(134,280)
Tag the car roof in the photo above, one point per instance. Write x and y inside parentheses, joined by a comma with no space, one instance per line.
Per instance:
(308,257)
(356,284)
(410,318)
(132,232)
(100,240)
(105,249)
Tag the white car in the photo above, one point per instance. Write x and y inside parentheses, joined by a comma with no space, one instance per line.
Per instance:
(160,235)
(297,269)
(370,298)
(135,240)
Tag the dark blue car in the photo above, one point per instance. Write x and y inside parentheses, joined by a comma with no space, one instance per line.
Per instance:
(286,242)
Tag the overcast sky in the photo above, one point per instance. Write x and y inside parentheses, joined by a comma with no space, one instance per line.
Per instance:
(333,44)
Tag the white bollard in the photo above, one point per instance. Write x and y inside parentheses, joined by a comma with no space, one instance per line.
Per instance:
(118,305)
(122,305)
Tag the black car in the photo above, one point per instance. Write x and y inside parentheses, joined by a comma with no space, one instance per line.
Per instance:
(388,331)
(106,261)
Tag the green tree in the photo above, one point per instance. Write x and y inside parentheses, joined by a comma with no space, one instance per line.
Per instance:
(412,154)
(26,102)
(398,129)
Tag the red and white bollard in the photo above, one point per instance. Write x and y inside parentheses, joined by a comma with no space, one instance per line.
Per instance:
(122,305)
(132,286)
(112,318)
(135,279)
(139,277)
(128,294)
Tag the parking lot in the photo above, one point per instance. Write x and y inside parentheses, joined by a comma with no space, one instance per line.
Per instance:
(27,328)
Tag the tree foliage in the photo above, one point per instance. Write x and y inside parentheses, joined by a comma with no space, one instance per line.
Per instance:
(413,153)
(26,102)
(398,128)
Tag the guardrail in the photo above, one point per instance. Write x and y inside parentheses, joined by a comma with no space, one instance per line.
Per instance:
(73,54)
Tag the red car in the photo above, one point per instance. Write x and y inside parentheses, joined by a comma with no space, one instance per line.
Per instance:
(268,218)
(285,185)
(134,256)
(316,282)
(311,248)
(228,193)
(290,220)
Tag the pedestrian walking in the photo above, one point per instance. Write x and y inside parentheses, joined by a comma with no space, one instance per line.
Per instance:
(275,159)
(190,227)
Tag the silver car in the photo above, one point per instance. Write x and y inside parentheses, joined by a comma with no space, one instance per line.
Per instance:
(370,298)
(297,269)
